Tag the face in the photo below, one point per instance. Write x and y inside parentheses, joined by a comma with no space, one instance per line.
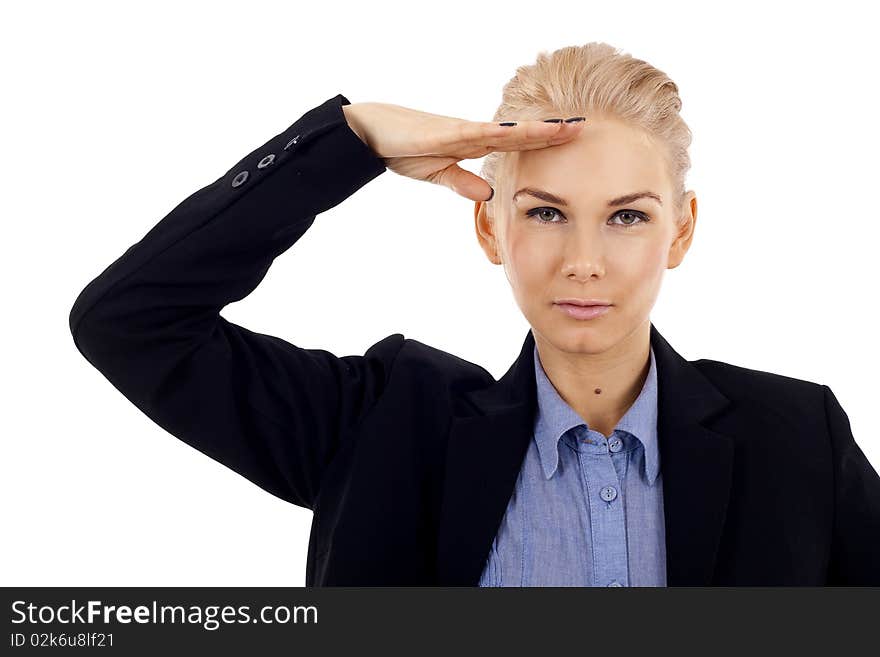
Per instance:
(577,245)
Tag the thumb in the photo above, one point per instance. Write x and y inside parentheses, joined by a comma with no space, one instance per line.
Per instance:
(467,184)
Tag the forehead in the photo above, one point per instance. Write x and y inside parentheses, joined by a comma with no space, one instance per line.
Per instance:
(608,156)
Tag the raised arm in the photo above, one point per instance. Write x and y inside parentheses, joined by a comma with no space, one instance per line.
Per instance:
(151,324)
(273,412)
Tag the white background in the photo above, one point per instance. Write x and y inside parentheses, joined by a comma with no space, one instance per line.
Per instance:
(114,114)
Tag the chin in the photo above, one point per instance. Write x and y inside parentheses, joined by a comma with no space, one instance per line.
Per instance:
(585,344)
(581,336)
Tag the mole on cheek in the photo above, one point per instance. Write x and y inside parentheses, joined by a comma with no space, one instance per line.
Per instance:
(598,391)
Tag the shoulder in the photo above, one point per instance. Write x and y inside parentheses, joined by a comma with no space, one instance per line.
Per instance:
(734,379)
(442,364)
(775,393)
(423,376)
(420,366)
(399,353)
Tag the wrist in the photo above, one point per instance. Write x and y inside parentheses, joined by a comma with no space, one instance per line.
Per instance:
(351,117)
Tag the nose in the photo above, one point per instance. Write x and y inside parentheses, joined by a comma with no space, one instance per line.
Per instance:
(582,272)
(584,259)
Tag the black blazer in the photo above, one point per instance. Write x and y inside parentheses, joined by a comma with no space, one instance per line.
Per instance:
(397,451)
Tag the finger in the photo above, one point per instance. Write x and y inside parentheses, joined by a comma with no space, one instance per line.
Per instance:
(564,132)
(464,183)
(529,132)
(481,151)
(530,145)
(474,134)
(525,135)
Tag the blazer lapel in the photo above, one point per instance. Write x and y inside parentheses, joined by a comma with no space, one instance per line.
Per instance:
(486,449)
(695,465)
(483,460)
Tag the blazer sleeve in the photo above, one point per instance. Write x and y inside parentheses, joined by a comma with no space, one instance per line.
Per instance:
(856,535)
(271,411)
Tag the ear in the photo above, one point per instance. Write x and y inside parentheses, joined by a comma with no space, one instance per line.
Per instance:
(684,230)
(485,226)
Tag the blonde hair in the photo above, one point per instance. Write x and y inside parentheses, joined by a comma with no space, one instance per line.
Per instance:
(597,79)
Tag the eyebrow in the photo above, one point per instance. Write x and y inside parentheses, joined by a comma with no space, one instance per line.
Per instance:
(620,200)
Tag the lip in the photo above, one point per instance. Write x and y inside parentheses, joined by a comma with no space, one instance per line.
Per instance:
(583,312)
(574,301)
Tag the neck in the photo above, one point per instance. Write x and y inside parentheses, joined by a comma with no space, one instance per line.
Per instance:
(600,387)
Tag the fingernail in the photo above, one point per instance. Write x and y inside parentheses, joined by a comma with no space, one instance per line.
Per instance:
(490,195)
(575,119)
(508,123)
(552,120)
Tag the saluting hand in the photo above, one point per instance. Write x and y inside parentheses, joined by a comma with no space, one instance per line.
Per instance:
(428,146)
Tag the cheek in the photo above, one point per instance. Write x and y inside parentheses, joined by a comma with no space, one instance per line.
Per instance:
(651,260)
(520,257)
(644,270)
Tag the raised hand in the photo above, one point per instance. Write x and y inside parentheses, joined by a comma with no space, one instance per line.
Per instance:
(428,146)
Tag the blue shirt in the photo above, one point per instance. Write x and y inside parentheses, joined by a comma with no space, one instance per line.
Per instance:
(586,510)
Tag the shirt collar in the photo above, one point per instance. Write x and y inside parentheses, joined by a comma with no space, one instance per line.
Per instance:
(554,417)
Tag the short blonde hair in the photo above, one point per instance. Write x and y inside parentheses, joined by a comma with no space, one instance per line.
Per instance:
(597,79)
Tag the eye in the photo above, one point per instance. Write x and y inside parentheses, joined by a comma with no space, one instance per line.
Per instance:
(633,214)
(536,212)
(637,215)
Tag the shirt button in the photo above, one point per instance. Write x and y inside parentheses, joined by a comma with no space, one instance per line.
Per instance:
(266,161)
(608,493)
(291,142)
(615,583)
(615,445)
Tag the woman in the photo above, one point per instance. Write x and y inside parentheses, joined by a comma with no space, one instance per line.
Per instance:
(601,458)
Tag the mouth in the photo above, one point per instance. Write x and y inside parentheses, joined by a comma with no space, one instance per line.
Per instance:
(572,301)
(583,309)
